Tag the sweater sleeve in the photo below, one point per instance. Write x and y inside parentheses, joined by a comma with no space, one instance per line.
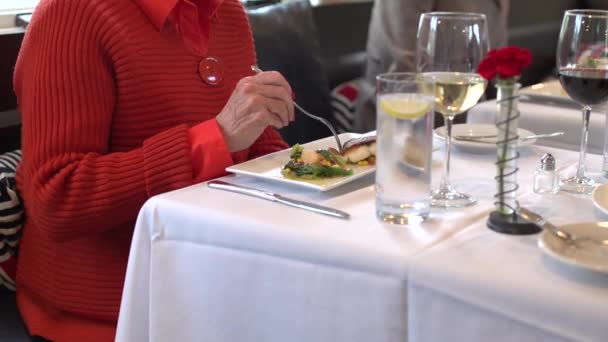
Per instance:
(66,91)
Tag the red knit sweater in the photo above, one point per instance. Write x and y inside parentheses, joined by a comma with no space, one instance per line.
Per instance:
(106,103)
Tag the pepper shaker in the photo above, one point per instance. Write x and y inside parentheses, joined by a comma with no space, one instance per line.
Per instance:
(545,177)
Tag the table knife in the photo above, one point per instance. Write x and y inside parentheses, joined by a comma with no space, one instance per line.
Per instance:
(476,138)
(269,196)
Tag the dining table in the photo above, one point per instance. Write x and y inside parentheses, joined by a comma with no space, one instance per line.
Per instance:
(211,265)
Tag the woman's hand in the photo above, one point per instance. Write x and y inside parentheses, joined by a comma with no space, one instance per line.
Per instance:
(257,102)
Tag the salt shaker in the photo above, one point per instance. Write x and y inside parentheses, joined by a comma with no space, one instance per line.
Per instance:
(545,177)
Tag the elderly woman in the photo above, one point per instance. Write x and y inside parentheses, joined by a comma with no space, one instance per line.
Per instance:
(122,100)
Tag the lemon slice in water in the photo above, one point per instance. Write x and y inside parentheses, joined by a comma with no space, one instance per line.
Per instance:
(404,107)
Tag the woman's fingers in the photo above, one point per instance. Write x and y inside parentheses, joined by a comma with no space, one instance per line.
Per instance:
(274,93)
(272,78)
(268,118)
(275,78)
(279,109)
(257,102)
(265,105)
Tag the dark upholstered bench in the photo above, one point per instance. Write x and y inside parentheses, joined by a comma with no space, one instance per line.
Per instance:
(11,325)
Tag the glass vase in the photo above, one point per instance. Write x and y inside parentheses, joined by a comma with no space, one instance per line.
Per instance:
(506,219)
(507,117)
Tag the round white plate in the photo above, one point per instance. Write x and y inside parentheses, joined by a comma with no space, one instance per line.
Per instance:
(587,255)
(485,145)
(599,196)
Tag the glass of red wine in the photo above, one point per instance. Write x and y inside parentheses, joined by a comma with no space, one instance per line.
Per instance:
(582,61)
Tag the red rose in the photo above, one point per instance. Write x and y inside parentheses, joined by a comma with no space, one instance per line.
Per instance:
(506,62)
(493,54)
(508,69)
(487,69)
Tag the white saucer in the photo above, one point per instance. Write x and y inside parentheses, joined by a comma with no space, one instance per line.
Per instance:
(587,255)
(599,196)
(486,145)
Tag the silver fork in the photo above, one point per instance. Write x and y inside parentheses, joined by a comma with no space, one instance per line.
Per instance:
(305,112)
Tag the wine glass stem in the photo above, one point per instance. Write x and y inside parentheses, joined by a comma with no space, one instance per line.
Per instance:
(580,172)
(445,178)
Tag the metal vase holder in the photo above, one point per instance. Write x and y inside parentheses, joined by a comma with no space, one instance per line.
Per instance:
(505,218)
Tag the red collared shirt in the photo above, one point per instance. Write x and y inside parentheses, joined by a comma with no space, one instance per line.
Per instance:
(191,19)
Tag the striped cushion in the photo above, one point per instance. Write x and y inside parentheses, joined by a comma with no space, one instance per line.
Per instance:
(343,104)
(8,269)
(11,217)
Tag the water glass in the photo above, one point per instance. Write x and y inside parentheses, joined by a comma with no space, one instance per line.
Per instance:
(404,148)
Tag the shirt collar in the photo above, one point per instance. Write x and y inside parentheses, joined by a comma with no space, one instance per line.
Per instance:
(158,10)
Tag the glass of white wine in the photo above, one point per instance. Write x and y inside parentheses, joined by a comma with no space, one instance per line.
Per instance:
(450,47)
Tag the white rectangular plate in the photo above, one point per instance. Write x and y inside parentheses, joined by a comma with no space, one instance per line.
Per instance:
(269,166)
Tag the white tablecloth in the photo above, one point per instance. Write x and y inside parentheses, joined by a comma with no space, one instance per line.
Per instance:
(483,286)
(207,265)
(546,119)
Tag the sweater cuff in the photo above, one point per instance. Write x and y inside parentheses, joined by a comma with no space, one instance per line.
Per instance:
(209,153)
(167,161)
